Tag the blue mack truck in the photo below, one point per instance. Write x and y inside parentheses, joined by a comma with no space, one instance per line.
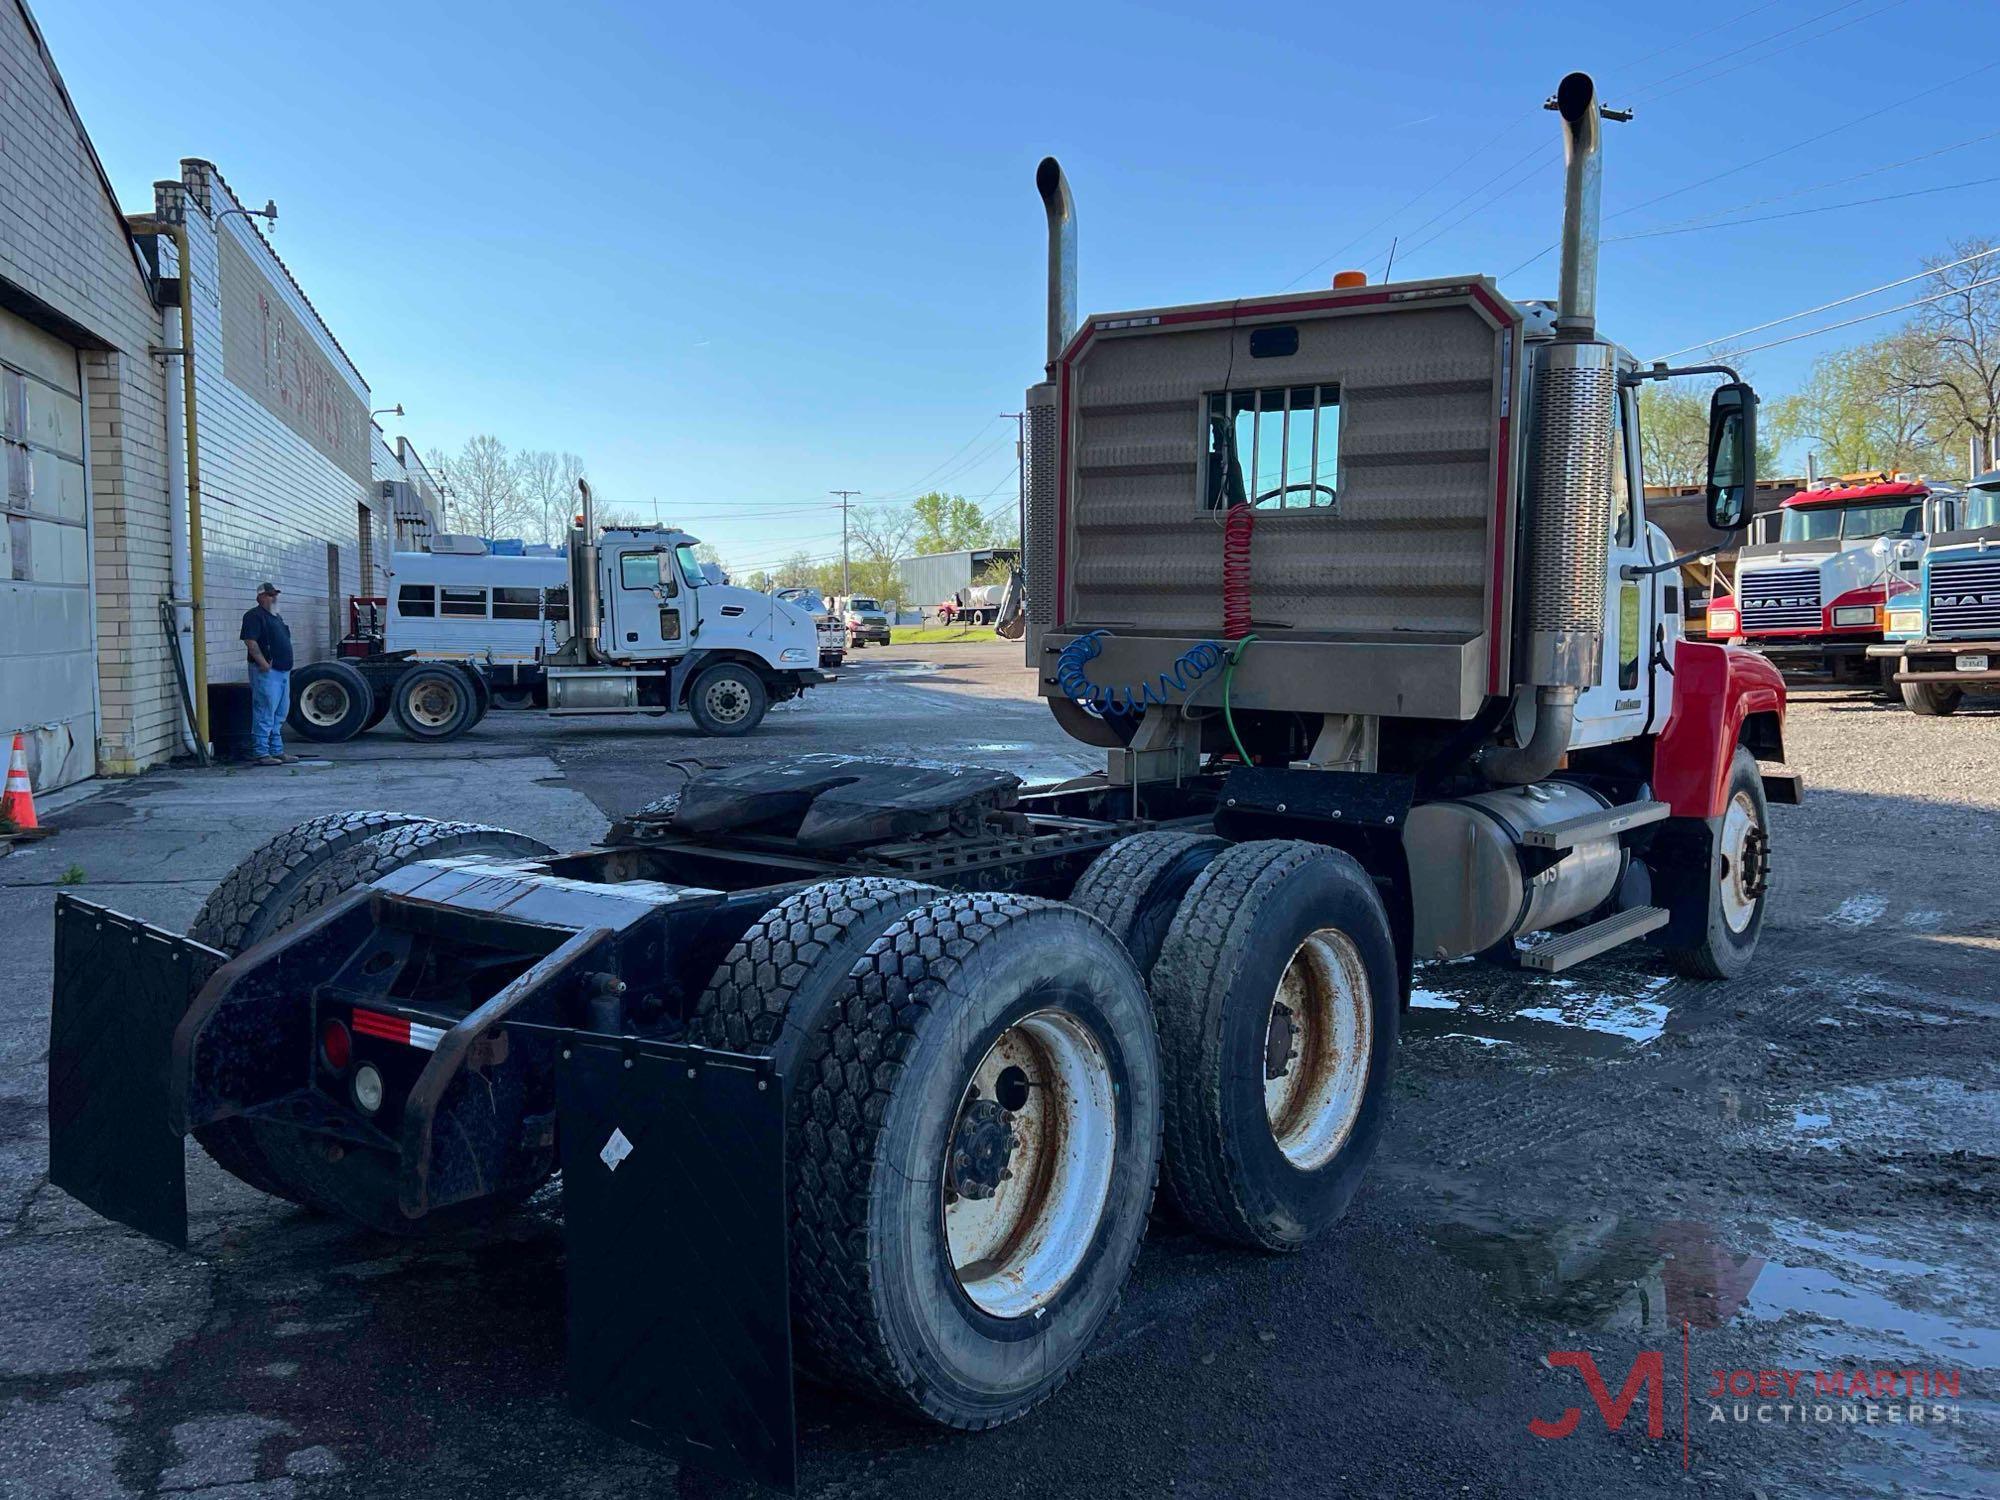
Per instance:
(1946,638)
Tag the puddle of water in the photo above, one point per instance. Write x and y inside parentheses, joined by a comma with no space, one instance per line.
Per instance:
(1605,1015)
(1858,911)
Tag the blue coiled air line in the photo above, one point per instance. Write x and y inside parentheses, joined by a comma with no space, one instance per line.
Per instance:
(1116,702)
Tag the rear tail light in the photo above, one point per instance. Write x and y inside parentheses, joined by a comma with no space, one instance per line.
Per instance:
(336,1047)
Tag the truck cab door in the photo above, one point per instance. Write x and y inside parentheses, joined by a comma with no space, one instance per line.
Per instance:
(648,606)
(1616,706)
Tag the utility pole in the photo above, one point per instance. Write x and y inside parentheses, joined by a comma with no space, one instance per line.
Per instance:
(1020,421)
(846,584)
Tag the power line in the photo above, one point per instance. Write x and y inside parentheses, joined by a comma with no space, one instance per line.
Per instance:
(1793,338)
(1799,213)
(1826,306)
(1657,83)
(1902,102)
(1800,192)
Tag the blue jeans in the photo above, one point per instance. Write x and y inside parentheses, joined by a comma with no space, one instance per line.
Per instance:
(270,696)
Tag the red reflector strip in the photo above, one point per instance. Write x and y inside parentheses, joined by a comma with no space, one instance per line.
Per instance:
(396,1029)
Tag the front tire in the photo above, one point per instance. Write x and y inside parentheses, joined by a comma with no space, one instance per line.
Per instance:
(1278,1007)
(1737,886)
(1932,700)
(728,700)
(977,1158)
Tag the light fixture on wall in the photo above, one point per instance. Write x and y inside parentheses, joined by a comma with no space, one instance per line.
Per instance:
(268,213)
(387,411)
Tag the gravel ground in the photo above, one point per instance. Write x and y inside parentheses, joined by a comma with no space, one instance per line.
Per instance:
(1792,1172)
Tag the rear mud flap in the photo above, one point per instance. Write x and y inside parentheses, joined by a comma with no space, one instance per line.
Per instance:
(121,987)
(673,1163)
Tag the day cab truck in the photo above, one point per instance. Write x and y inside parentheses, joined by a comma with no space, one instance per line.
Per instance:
(1945,636)
(881,1062)
(1816,597)
(627,623)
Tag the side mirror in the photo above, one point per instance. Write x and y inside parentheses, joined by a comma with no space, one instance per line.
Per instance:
(1732,455)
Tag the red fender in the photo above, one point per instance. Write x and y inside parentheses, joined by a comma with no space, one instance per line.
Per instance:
(1716,688)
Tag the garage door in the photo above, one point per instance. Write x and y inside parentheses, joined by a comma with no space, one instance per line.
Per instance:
(48,668)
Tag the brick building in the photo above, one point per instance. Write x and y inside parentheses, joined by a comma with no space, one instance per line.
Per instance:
(293,472)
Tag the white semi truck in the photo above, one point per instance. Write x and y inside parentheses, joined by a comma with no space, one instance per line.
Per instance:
(1356,590)
(628,623)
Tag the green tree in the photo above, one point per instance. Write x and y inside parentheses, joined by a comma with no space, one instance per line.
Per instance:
(1872,406)
(947,523)
(1673,432)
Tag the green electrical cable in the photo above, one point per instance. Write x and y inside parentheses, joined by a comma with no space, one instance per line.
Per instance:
(1228,675)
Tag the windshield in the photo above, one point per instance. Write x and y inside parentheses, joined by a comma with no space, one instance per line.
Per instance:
(860,604)
(1982,508)
(690,566)
(1826,523)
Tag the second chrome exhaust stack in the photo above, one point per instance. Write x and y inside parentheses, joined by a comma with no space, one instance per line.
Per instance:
(1061,211)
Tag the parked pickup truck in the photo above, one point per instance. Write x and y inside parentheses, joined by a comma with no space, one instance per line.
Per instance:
(1946,635)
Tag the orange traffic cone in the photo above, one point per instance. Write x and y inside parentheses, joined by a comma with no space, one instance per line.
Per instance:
(18,807)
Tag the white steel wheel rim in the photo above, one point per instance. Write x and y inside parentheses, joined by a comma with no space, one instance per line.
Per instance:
(1015,1250)
(1739,900)
(323,704)
(726,700)
(1317,1038)
(432,704)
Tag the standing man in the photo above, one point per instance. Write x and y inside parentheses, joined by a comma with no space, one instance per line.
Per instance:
(268,639)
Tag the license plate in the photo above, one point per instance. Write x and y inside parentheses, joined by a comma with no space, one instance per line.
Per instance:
(1972,661)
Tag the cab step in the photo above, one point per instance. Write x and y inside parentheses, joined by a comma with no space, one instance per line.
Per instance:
(1566,950)
(1595,825)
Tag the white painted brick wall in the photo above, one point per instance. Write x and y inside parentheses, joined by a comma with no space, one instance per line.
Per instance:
(271,502)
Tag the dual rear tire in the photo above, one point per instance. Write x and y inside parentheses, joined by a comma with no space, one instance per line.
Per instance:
(1274,987)
(973,1128)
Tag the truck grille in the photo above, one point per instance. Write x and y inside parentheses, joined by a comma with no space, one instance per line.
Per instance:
(1779,599)
(1965,596)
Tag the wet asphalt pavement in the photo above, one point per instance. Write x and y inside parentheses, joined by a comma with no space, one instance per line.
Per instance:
(1795,1172)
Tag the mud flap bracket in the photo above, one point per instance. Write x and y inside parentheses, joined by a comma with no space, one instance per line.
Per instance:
(673,1161)
(121,987)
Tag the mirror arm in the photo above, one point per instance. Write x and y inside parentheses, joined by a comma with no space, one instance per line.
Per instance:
(1660,370)
(1632,570)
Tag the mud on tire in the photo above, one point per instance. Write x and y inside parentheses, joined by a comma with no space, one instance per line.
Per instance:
(882,1298)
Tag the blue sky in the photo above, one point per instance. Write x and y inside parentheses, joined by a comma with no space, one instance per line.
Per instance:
(739,256)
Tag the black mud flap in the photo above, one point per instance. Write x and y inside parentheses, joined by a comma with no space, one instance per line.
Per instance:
(121,987)
(673,1163)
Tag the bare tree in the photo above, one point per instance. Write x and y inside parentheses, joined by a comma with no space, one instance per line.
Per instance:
(483,485)
(548,490)
(1962,336)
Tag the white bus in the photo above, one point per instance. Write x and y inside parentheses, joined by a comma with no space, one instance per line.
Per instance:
(505,614)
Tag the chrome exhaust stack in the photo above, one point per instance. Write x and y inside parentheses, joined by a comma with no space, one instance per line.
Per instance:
(584,603)
(1061,211)
(1567,526)
(1583,180)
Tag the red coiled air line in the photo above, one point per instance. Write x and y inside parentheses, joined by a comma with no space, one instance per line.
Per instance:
(1237,524)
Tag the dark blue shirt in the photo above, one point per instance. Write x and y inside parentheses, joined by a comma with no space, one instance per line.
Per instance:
(272,635)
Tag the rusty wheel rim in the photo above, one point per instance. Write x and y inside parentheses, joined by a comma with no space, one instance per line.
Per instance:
(433,704)
(1028,1163)
(1317,1039)
(323,704)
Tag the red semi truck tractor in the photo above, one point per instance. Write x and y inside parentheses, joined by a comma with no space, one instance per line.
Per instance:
(1815,596)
